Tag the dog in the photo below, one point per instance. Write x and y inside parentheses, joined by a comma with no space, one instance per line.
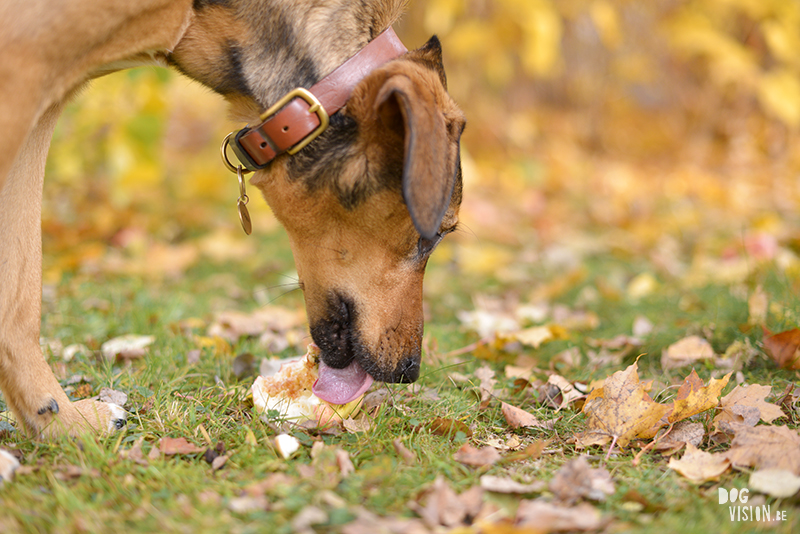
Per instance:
(364,201)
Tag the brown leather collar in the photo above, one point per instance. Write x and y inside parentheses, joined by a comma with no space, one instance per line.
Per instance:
(302,114)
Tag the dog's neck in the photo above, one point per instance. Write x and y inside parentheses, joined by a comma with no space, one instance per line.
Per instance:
(302,114)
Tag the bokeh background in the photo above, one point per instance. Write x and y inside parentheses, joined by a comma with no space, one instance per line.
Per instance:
(665,130)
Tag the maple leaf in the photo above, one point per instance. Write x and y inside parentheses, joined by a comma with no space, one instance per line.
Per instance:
(693,397)
(700,466)
(765,447)
(746,404)
(622,410)
(784,348)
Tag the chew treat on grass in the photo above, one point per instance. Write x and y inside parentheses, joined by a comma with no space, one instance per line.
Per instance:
(290,395)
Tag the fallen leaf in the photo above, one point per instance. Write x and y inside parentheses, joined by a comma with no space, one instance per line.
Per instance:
(576,480)
(442,507)
(765,447)
(286,445)
(693,397)
(784,348)
(559,392)
(682,433)
(688,351)
(354,426)
(746,405)
(171,446)
(487,385)
(700,466)
(442,426)
(346,466)
(534,336)
(506,485)
(408,457)
(8,465)
(548,517)
(127,347)
(69,472)
(519,418)
(774,482)
(621,410)
(483,457)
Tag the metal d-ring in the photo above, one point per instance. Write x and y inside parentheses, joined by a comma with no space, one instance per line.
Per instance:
(236,169)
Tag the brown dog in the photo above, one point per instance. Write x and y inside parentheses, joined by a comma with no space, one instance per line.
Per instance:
(364,203)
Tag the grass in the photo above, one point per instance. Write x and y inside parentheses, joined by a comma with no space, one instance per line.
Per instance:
(88,485)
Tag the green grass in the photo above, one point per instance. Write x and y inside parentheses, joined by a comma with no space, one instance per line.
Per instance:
(169,397)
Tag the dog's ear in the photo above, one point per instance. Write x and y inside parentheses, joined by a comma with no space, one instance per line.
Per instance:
(430,155)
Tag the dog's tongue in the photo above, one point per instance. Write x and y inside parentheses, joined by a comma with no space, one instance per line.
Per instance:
(340,386)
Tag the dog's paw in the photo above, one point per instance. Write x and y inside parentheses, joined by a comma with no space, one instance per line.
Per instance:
(8,464)
(104,417)
(51,407)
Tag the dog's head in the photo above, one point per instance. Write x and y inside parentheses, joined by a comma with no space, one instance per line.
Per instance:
(364,204)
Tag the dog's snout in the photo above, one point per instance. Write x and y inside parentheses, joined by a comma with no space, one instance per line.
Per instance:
(407,370)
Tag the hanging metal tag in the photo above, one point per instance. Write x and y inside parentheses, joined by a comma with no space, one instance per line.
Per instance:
(241,204)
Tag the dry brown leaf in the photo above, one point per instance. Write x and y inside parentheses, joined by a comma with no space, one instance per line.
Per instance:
(687,351)
(621,410)
(784,348)
(746,405)
(577,480)
(442,426)
(559,392)
(443,507)
(506,485)
(408,457)
(693,397)
(549,517)
(171,446)
(483,457)
(487,385)
(765,447)
(700,466)
(683,432)
(519,418)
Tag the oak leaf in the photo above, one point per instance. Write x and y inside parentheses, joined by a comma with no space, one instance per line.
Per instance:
(622,410)
(700,466)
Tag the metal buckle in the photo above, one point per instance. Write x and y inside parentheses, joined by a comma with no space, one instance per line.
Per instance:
(315,107)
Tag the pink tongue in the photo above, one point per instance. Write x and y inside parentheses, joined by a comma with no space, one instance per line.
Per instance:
(340,386)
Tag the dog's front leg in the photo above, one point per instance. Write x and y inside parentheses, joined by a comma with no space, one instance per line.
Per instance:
(29,387)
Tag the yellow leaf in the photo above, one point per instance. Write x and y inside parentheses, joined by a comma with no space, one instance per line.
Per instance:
(693,397)
(606,21)
(700,466)
(779,93)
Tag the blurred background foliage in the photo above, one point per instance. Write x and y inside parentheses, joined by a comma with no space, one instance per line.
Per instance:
(666,129)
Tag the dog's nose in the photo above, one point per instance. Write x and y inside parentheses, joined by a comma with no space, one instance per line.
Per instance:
(407,370)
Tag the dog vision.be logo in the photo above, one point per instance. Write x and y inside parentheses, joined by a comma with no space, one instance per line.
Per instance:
(740,511)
